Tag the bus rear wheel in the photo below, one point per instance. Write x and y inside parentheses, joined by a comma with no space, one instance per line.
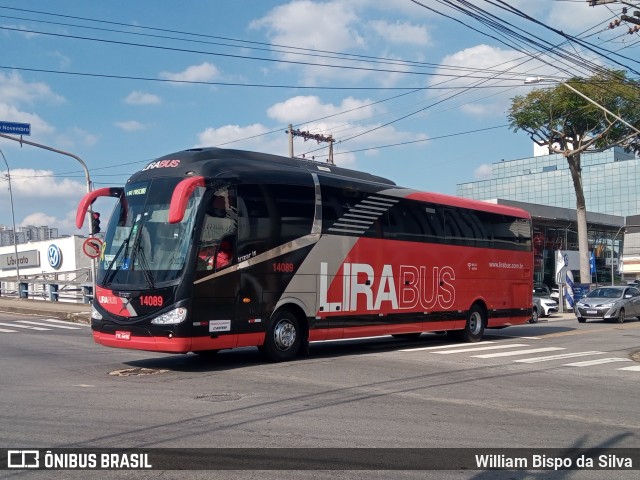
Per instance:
(474,328)
(284,337)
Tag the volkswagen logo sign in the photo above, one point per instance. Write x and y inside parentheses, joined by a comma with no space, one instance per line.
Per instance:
(54,255)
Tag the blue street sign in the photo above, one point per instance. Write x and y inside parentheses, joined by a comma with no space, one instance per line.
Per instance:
(15,128)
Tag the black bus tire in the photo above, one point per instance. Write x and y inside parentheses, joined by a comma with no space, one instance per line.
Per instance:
(284,337)
(474,327)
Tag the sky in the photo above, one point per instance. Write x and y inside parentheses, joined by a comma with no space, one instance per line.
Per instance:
(414,91)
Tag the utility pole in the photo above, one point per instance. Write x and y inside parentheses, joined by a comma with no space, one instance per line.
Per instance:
(318,137)
(624,17)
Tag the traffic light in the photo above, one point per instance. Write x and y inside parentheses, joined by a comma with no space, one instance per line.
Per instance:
(95,223)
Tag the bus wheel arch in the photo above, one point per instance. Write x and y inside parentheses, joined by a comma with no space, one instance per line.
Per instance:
(476,322)
(286,335)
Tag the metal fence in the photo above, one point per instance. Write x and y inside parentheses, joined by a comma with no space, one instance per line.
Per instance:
(74,286)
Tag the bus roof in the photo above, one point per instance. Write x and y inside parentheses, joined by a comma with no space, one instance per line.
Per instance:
(213,161)
(220,162)
(454,201)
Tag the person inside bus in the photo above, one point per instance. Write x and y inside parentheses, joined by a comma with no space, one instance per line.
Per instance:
(222,257)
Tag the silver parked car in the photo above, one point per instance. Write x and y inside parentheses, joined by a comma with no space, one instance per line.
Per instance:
(609,303)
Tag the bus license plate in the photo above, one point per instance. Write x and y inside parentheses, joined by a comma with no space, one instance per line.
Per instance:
(120,335)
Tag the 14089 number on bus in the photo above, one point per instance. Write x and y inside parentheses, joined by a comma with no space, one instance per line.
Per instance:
(284,267)
(151,300)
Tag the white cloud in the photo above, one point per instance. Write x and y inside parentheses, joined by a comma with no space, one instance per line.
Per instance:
(142,98)
(402,33)
(330,26)
(64,225)
(11,113)
(130,126)
(297,110)
(14,90)
(306,24)
(301,108)
(32,183)
(205,72)
(241,138)
(63,60)
(468,67)
(483,172)
(76,136)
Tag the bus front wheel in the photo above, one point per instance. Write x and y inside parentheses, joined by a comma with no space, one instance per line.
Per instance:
(474,328)
(284,337)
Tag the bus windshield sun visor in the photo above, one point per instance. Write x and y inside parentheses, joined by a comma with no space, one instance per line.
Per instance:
(90,197)
(180,197)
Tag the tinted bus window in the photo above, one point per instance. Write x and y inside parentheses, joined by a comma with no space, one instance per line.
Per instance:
(271,215)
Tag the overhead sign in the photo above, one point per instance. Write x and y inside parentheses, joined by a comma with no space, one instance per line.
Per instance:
(92,247)
(15,128)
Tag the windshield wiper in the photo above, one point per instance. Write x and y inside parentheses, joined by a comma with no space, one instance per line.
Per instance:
(111,273)
(138,253)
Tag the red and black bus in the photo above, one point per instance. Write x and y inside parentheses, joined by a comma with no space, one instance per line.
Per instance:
(313,252)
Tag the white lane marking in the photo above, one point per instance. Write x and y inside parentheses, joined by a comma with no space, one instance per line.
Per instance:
(439,347)
(75,324)
(557,357)
(599,361)
(518,352)
(48,325)
(5,330)
(15,325)
(635,368)
(476,349)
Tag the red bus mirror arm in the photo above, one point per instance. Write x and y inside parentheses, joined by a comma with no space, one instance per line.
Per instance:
(90,197)
(180,197)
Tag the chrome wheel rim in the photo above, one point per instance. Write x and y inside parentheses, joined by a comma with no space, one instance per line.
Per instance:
(284,334)
(475,323)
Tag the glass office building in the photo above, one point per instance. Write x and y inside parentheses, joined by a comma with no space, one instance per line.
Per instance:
(610,180)
(543,186)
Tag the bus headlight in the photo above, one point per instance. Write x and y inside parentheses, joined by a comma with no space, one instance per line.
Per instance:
(172,317)
(95,314)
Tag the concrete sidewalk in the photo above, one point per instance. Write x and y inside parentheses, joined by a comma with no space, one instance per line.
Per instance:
(74,312)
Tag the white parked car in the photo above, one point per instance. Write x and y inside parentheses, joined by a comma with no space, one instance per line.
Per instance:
(549,306)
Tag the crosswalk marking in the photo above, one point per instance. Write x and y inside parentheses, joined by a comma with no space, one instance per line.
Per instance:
(48,325)
(557,357)
(635,368)
(439,347)
(476,349)
(5,330)
(75,324)
(14,325)
(599,361)
(518,352)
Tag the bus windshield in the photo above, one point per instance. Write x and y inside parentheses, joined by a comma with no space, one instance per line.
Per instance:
(141,247)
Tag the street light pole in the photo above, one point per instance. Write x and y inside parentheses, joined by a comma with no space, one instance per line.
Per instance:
(13,219)
(529,80)
(86,175)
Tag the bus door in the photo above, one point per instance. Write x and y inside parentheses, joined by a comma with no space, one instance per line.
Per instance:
(216,288)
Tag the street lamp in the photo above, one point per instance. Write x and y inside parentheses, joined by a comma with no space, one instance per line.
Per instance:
(13,219)
(86,175)
(530,80)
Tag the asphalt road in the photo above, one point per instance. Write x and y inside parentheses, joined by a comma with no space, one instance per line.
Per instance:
(550,385)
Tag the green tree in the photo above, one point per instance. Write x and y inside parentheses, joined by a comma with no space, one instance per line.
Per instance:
(569,124)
